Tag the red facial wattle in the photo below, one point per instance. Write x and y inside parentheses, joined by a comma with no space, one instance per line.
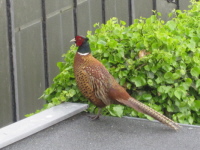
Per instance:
(79,40)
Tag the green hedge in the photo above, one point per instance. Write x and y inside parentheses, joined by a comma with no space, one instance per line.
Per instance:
(166,79)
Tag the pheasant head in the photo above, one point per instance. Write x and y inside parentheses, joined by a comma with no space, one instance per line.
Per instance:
(83,45)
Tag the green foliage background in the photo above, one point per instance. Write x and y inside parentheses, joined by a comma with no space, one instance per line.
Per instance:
(167,79)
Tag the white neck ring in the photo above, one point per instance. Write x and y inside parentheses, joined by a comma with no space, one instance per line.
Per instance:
(83,53)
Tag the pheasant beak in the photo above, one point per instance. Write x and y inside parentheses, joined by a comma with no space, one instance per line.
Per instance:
(73,40)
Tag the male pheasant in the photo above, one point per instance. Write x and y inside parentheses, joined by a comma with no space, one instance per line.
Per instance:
(100,87)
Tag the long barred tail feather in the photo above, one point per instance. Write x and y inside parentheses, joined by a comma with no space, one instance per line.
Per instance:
(135,104)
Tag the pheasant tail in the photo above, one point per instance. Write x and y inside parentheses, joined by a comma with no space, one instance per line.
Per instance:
(135,104)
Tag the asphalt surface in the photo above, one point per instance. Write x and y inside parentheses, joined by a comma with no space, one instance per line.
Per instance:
(110,133)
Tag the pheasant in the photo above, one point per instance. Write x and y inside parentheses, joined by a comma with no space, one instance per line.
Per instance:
(99,86)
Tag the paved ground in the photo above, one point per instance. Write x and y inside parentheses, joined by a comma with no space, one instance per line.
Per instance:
(110,133)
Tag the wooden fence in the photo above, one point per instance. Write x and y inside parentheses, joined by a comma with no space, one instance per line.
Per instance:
(35,33)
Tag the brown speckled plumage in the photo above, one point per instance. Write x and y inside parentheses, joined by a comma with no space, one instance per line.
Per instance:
(99,86)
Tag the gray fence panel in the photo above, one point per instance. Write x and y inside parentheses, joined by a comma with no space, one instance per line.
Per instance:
(29,55)
(141,8)
(26,11)
(60,30)
(55,6)
(83,17)
(122,10)
(165,8)
(95,12)
(88,13)
(110,9)
(117,9)
(5,89)
(68,28)
(184,4)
